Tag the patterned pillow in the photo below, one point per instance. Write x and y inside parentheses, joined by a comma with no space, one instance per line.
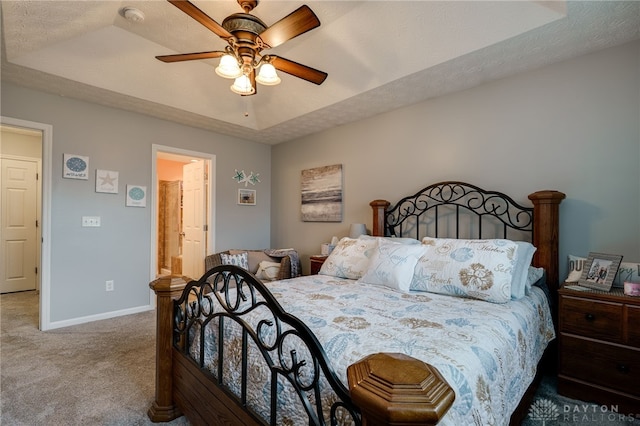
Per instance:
(349,259)
(240,259)
(254,257)
(478,269)
(533,276)
(392,264)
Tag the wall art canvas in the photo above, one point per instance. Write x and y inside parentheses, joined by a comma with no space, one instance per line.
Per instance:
(75,167)
(136,196)
(107,181)
(322,194)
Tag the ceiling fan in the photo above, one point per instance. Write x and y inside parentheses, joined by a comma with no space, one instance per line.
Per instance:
(247,36)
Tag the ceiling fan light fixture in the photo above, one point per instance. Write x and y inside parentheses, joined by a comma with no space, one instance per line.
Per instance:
(228,67)
(247,36)
(242,86)
(268,75)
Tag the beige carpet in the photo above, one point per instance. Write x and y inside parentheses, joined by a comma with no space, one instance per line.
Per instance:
(101,373)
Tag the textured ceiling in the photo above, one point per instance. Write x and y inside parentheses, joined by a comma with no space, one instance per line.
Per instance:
(380,55)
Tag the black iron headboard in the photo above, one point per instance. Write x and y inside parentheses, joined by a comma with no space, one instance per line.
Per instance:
(462,210)
(459,210)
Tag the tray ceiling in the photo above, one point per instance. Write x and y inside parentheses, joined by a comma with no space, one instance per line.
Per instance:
(380,55)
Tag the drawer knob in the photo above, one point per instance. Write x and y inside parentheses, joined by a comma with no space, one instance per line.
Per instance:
(589,317)
(623,368)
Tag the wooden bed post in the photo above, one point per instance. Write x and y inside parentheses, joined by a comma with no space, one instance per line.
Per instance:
(167,289)
(545,232)
(379,208)
(396,389)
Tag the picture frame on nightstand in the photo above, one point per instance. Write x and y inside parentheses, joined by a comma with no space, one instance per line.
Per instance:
(599,271)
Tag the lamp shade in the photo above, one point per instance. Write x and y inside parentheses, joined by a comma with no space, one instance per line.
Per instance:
(242,86)
(228,67)
(268,75)
(357,229)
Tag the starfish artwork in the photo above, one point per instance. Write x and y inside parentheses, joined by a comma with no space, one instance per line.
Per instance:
(107,181)
(242,177)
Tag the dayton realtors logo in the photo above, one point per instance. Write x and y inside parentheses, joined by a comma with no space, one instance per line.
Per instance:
(547,411)
(544,410)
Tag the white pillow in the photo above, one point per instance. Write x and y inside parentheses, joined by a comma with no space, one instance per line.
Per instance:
(392,264)
(349,259)
(398,240)
(268,270)
(524,255)
(479,269)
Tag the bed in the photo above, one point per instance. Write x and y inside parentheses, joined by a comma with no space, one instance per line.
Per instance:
(381,335)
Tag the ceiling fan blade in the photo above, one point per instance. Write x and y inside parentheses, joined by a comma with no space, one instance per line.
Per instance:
(204,19)
(298,70)
(298,22)
(190,56)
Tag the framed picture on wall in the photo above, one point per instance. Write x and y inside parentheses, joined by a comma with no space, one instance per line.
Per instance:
(136,196)
(321,194)
(75,167)
(107,181)
(247,197)
(599,271)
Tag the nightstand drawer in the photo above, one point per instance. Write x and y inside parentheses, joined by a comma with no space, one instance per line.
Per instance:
(608,365)
(590,318)
(633,324)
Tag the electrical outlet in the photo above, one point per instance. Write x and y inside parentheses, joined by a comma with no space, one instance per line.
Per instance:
(90,221)
(109,285)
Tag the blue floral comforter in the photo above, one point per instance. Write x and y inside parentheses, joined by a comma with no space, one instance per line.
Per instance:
(487,352)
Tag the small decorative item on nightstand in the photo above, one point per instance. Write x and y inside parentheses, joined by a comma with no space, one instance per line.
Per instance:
(631,289)
(599,271)
(316,262)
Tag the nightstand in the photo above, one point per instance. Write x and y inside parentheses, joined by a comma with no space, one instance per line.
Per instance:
(316,262)
(599,347)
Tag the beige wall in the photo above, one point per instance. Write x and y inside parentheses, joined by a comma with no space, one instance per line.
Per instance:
(571,126)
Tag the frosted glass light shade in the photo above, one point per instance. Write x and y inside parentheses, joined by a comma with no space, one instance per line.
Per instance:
(242,86)
(357,229)
(268,75)
(228,67)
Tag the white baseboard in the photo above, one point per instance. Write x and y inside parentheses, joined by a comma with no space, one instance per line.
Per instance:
(98,317)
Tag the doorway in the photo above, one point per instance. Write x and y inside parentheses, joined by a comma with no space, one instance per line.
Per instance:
(20,165)
(25,253)
(184,211)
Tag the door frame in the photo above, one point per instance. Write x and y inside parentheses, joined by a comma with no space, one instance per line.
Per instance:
(211,196)
(44,276)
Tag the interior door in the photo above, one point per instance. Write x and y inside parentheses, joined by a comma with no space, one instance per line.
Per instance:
(193,219)
(19,228)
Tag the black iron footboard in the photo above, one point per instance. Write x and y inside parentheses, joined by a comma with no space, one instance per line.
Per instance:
(231,326)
